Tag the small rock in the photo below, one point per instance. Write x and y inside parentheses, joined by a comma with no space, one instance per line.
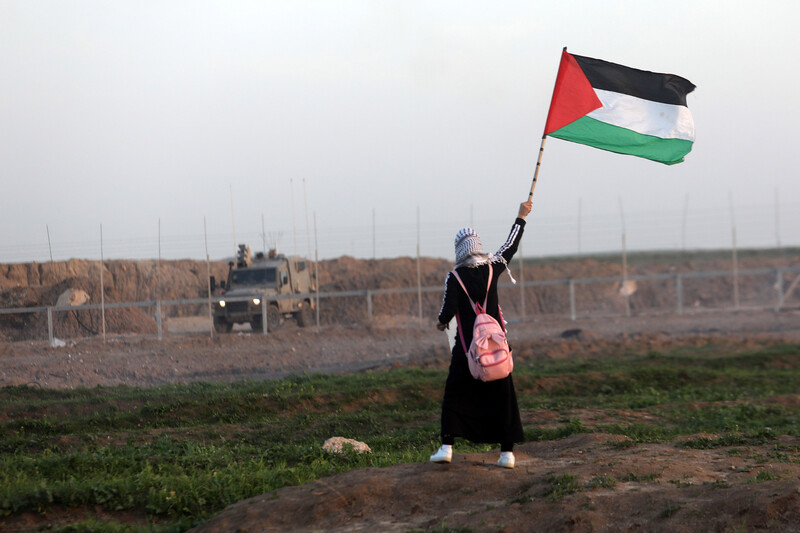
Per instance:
(336,445)
(73,297)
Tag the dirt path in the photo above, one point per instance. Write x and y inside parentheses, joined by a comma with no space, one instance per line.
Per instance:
(243,355)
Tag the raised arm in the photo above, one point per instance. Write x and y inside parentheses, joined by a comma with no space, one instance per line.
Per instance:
(509,248)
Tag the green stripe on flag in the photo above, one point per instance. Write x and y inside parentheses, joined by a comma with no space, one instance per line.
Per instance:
(598,134)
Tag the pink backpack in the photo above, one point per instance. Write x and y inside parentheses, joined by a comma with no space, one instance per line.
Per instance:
(489,355)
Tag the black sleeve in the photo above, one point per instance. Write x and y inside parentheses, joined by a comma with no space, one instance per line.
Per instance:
(449,300)
(509,247)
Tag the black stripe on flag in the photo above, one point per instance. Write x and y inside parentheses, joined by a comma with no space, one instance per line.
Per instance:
(663,88)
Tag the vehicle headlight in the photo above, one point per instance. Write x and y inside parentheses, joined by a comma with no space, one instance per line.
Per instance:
(222,303)
(256,301)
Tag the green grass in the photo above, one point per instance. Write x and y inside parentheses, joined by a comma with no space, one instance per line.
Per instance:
(168,458)
(639,478)
(601,482)
(560,486)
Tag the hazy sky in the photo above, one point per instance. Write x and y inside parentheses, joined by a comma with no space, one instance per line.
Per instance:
(124,113)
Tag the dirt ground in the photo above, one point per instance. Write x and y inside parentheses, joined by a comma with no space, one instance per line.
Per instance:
(189,353)
(670,489)
(667,487)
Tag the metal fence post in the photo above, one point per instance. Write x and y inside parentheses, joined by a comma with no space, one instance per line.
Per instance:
(779,289)
(264,316)
(369,304)
(735,269)
(50,335)
(572,300)
(679,293)
(158,319)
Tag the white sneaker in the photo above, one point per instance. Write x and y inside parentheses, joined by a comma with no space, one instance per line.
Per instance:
(443,454)
(506,460)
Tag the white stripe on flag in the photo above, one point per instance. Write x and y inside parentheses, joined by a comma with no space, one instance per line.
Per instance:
(667,121)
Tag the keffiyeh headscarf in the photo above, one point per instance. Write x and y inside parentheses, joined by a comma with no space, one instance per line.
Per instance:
(469,251)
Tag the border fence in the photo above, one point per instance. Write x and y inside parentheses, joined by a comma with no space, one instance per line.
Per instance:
(572,298)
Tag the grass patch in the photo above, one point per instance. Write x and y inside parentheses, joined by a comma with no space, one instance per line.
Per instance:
(621,444)
(639,478)
(573,427)
(601,482)
(560,486)
(764,475)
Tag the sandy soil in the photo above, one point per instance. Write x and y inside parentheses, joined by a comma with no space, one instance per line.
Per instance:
(669,488)
(242,355)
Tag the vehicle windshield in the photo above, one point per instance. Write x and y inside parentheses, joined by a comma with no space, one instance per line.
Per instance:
(260,276)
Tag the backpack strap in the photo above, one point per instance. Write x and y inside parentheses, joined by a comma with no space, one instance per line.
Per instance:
(461,334)
(488,285)
(474,306)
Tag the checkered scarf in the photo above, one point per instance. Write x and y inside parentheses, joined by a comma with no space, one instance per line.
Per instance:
(469,251)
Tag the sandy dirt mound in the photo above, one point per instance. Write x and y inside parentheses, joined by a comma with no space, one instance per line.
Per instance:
(79,322)
(40,284)
(657,487)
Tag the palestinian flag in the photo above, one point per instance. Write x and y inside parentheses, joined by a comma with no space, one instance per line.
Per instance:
(621,109)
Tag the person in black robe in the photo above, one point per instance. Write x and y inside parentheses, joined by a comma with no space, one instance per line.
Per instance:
(472,409)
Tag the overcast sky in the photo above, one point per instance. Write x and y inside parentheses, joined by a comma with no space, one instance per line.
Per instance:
(378,114)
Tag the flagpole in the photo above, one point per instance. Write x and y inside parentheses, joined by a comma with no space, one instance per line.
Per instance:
(541,146)
(538,164)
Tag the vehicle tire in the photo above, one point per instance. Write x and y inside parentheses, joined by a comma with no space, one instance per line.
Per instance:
(255,324)
(222,326)
(273,318)
(305,316)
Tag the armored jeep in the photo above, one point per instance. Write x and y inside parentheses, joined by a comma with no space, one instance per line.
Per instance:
(265,280)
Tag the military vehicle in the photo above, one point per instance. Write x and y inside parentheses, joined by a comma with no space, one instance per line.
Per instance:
(252,281)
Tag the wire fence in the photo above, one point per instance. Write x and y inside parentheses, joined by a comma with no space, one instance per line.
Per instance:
(576,231)
(573,298)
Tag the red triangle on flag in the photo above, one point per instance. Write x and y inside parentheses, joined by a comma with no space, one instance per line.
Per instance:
(573,95)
